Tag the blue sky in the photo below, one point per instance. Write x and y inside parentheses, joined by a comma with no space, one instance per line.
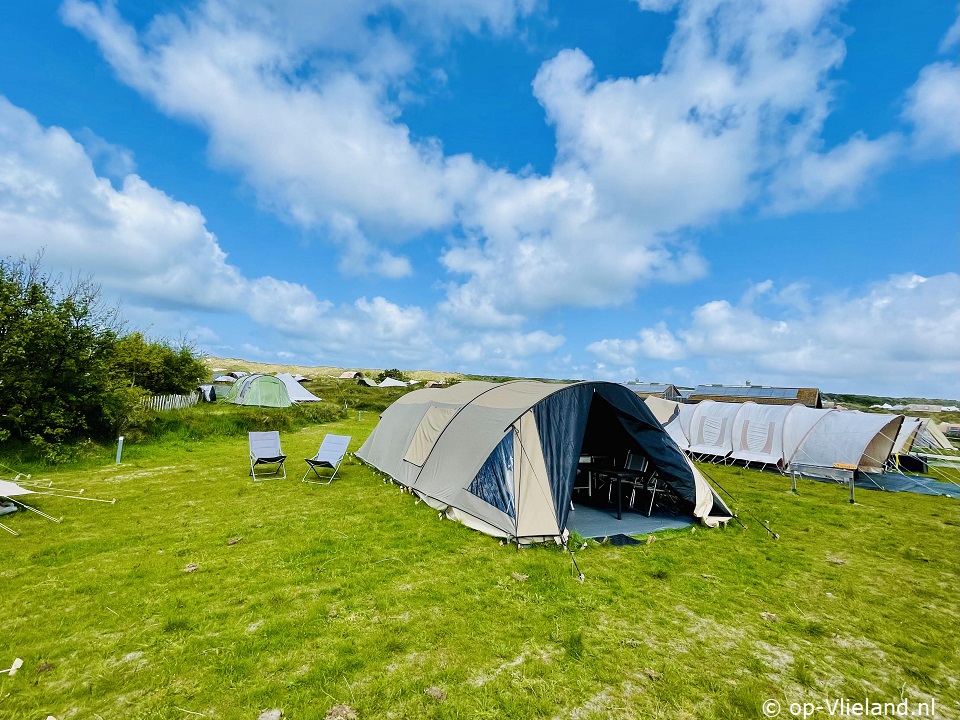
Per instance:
(689,192)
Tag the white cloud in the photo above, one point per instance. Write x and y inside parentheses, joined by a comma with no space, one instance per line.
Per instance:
(111,160)
(157,255)
(507,350)
(835,176)
(304,105)
(146,247)
(305,100)
(885,334)
(319,150)
(734,117)
(933,107)
(952,37)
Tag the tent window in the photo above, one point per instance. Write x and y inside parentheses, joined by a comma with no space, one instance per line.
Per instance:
(494,481)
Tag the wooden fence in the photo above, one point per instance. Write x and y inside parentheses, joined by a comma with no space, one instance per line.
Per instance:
(171,402)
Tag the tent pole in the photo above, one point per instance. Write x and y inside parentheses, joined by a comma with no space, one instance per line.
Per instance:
(77,497)
(793,481)
(852,476)
(33,509)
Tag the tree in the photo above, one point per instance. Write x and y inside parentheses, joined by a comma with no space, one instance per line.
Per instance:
(66,372)
(157,367)
(56,341)
(392,373)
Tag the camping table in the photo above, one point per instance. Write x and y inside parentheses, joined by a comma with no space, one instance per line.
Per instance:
(617,475)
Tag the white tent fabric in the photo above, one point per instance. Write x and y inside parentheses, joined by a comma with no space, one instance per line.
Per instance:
(678,428)
(391,382)
(501,458)
(297,392)
(11,489)
(908,431)
(758,433)
(711,428)
(797,426)
(920,434)
(663,410)
(791,436)
(849,439)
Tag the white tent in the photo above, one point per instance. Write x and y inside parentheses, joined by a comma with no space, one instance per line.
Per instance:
(920,434)
(297,392)
(663,410)
(391,382)
(849,440)
(711,428)
(758,433)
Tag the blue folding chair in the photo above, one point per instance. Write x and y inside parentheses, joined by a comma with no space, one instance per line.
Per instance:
(331,453)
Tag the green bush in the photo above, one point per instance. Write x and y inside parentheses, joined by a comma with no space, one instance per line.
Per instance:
(218,420)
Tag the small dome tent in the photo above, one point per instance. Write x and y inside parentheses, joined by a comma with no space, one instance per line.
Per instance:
(502,458)
(260,391)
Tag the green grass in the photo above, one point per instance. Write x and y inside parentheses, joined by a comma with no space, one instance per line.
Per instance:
(355,594)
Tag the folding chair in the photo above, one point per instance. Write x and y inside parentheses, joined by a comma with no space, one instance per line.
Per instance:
(265,450)
(330,455)
(639,468)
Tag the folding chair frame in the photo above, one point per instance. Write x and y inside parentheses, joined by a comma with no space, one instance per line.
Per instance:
(313,464)
(277,460)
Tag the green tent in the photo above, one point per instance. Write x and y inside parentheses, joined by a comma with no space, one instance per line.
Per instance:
(259,390)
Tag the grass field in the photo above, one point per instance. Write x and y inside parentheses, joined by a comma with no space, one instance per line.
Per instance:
(353,594)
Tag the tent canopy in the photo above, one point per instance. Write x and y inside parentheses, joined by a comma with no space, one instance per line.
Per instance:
(502,458)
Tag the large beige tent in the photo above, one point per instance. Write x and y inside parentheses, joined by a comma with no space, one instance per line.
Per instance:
(502,458)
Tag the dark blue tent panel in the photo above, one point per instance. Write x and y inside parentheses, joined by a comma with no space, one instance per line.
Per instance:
(493,482)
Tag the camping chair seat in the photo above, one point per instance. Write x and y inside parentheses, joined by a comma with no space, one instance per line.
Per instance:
(331,453)
(265,450)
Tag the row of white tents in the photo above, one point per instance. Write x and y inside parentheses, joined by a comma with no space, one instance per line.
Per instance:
(825,442)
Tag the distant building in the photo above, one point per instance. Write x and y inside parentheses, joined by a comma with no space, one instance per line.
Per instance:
(661,390)
(350,375)
(761,394)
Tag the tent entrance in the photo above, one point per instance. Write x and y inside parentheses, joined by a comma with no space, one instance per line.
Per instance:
(615,477)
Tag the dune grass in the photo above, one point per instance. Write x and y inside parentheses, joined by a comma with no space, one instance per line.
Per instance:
(355,594)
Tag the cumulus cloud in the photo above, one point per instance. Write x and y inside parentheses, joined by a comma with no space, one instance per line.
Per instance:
(306,105)
(146,247)
(156,254)
(306,101)
(320,150)
(733,118)
(890,329)
(507,350)
(933,108)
